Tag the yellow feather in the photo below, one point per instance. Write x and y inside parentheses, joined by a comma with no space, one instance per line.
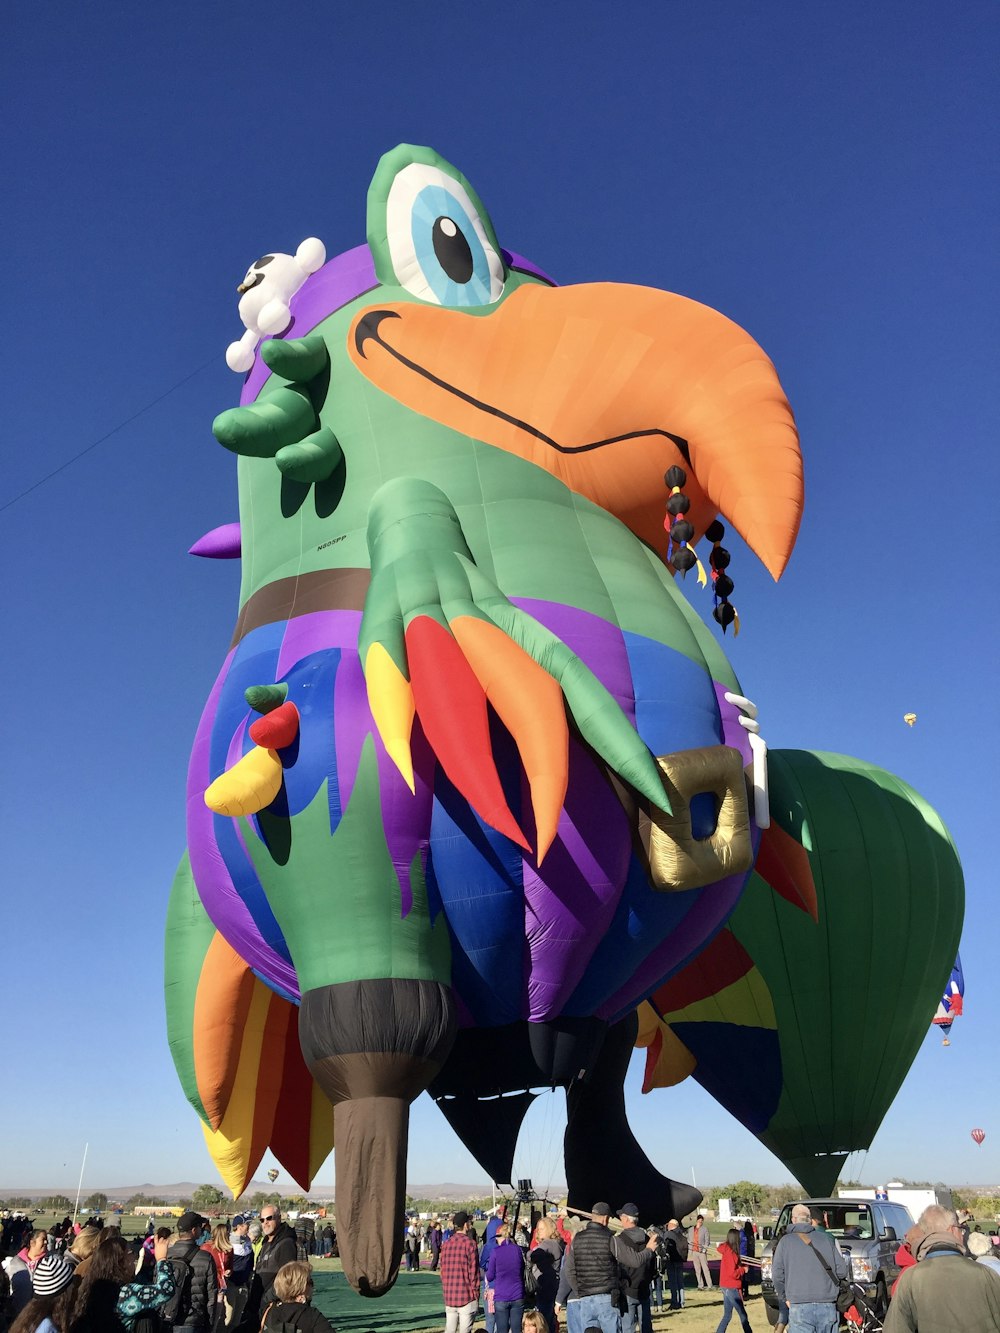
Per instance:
(390,698)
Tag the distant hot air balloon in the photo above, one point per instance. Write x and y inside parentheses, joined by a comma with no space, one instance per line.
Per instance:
(952,1002)
(979,1135)
(272,1175)
(909,718)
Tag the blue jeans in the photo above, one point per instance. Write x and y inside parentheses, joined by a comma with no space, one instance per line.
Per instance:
(814,1316)
(675,1273)
(508,1316)
(732,1303)
(593,1312)
(637,1318)
(656,1291)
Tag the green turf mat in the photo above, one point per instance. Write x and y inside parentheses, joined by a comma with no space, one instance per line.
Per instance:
(413,1303)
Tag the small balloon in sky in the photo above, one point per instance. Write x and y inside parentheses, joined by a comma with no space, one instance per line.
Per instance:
(979,1135)
(909,718)
(272,1175)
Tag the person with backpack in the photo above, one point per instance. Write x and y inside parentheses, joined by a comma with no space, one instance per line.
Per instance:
(192,1306)
(291,1308)
(634,1284)
(807,1269)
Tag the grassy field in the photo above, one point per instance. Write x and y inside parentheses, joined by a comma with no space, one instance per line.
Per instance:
(415,1304)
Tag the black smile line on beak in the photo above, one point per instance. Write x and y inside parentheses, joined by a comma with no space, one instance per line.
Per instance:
(368,330)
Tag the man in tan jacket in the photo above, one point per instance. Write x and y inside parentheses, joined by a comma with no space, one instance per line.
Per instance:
(698,1251)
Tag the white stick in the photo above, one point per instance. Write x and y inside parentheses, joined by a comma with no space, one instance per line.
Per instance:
(86,1148)
(761,799)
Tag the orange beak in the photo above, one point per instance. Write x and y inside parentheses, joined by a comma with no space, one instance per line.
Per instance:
(606,386)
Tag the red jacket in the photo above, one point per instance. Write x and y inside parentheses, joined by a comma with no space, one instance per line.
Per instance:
(223,1262)
(905,1259)
(730,1268)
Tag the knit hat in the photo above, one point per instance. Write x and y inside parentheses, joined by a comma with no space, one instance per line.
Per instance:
(601,1210)
(52,1273)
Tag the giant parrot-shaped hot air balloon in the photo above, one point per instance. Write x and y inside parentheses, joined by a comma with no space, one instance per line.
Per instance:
(471,762)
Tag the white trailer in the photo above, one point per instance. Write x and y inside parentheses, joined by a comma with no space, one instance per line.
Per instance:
(915,1198)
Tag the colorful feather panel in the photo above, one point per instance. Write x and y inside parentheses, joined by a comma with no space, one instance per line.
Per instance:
(236,1049)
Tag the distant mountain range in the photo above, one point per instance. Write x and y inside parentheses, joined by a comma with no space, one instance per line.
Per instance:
(184,1189)
(447,1191)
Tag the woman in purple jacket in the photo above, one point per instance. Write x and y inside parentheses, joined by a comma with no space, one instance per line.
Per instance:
(505,1274)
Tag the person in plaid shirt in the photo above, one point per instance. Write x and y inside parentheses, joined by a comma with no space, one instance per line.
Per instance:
(459,1277)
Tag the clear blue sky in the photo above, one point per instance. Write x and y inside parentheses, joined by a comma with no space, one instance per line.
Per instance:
(825,175)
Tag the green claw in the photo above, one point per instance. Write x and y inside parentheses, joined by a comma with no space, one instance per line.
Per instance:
(412,528)
(265,698)
(311,459)
(595,711)
(260,430)
(297,358)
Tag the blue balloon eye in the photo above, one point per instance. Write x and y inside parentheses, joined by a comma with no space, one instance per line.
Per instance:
(450,254)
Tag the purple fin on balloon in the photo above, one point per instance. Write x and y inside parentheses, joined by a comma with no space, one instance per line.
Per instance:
(219,544)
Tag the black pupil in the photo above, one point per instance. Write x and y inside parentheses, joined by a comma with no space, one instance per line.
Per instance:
(452,250)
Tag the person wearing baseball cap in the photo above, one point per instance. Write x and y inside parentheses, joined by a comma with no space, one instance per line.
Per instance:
(193,1307)
(637,1317)
(241,1273)
(459,1276)
(592,1270)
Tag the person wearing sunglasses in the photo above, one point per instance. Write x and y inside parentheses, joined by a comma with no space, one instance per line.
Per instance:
(278,1248)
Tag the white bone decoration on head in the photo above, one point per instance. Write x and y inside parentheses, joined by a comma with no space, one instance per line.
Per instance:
(269,285)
